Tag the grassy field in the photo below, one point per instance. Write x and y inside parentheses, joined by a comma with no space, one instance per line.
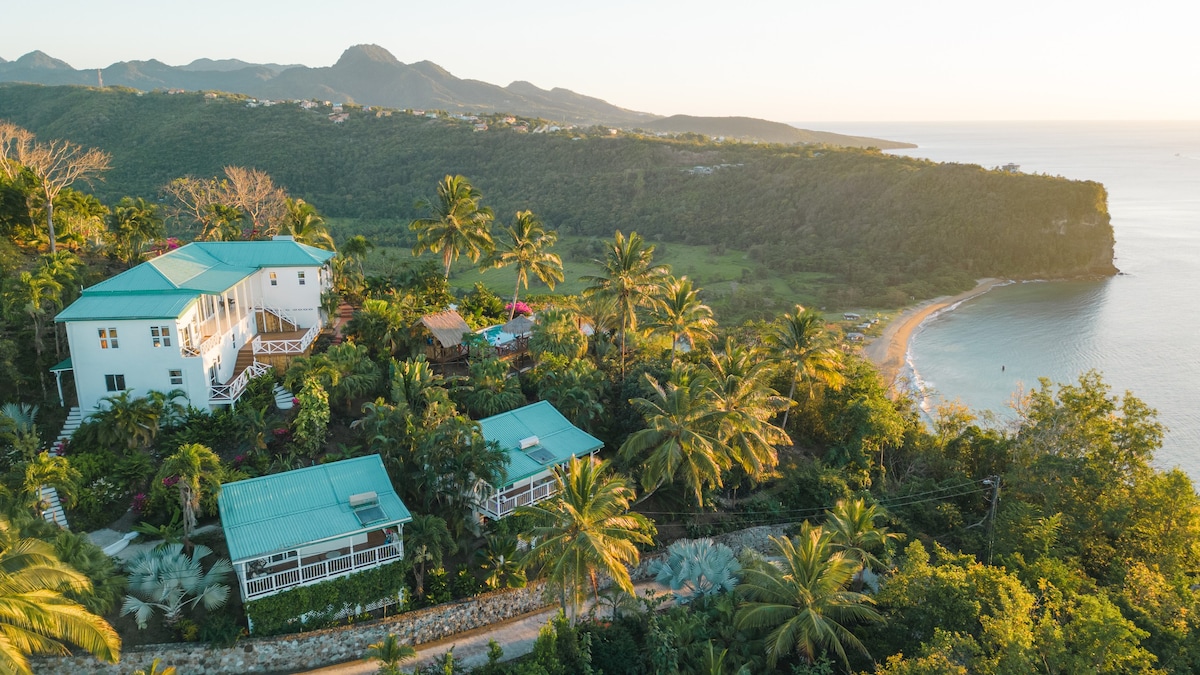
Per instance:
(736,286)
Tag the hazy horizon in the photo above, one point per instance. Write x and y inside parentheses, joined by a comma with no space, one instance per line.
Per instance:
(872,60)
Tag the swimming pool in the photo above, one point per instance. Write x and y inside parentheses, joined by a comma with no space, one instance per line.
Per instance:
(495,336)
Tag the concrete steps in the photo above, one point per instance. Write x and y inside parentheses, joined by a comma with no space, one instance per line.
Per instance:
(49,496)
(283,398)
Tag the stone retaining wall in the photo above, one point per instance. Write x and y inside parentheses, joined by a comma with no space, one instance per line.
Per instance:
(289,653)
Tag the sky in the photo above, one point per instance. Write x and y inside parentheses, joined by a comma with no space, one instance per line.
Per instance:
(790,61)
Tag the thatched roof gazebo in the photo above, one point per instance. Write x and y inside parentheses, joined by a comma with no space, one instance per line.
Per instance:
(445,332)
(520,325)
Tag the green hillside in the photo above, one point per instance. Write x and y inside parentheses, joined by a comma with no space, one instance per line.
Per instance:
(881,228)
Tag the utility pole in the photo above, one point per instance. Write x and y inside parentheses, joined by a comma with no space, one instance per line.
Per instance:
(994,482)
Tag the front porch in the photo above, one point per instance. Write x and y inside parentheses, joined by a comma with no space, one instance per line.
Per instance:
(523,493)
(308,565)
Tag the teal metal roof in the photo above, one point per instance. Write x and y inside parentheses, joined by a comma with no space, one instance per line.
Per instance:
(62,366)
(285,511)
(162,287)
(557,437)
(101,307)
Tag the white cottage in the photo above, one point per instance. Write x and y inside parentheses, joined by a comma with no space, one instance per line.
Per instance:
(203,318)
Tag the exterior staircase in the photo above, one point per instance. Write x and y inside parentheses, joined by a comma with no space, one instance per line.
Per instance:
(283,398)
(49,496)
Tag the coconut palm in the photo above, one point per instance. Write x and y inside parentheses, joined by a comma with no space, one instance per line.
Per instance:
(739,379)
(21,420)
(803,600)
(629,276)
(459,224)
(680,442)
(35,617)
(305,225)
(678,314)
(525,247)
(799,344)
(390,654)
(415,384)
(194,467)
(586,530)
(852,524)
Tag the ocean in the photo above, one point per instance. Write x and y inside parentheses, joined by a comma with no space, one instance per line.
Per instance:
(1139,329)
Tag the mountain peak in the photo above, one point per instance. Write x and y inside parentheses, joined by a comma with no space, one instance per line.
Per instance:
(362,54)
(40,59)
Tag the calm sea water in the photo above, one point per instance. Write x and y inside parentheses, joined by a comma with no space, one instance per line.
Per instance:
(1141,329)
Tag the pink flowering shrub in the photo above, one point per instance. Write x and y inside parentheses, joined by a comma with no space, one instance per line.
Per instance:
(522,308)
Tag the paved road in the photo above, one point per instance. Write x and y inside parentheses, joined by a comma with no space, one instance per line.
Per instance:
(516,636)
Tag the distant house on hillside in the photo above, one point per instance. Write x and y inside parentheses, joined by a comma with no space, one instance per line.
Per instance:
(203,318)
(537,439)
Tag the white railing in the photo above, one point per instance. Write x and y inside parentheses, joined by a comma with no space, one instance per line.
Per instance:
(210,342)
(228,393)
(303,575)
(278,314)
(296,346)
(503,505)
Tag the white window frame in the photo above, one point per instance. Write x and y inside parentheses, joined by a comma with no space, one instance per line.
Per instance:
(108,338)
(160,336)
(115,380)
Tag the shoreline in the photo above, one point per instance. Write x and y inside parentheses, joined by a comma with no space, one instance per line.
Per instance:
(889,351)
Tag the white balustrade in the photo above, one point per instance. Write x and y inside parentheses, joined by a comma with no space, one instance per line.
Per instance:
(268,584)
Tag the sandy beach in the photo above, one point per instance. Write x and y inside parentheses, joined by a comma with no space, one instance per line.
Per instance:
(888,351)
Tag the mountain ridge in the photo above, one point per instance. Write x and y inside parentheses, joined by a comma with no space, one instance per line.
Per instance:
(368,74)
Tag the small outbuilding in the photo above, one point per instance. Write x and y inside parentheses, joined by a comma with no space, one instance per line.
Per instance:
(443,333)
(537,439)
(309,525)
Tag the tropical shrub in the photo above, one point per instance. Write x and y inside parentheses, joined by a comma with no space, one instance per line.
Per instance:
(697,568)
(168,580)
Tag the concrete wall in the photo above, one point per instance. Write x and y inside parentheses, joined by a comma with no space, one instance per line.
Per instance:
(291,653)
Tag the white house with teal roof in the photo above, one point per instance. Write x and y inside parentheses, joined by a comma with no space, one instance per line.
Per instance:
(537,439)
(203,318)
(309,525)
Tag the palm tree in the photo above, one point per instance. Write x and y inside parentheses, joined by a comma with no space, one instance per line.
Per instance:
(128,419)
(586,530)
(680,436)
(49,471)
(629,276)
(155,670)
(35,617)
(803,350)
(526,247)
(852,524)
(390,654)
(459,224)
(557,333)
(747,403)
(491,390)
(134,223)
(171,581)
(501,562)
(305,225)
(415,384)
(194,467)
(22,418)
(222,223)
(426,541)
(678,314)
(803,600)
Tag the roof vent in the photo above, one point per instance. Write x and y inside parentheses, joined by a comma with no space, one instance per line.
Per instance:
(363,499)
(529,442)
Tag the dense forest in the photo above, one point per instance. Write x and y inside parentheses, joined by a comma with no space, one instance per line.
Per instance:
(884,228)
